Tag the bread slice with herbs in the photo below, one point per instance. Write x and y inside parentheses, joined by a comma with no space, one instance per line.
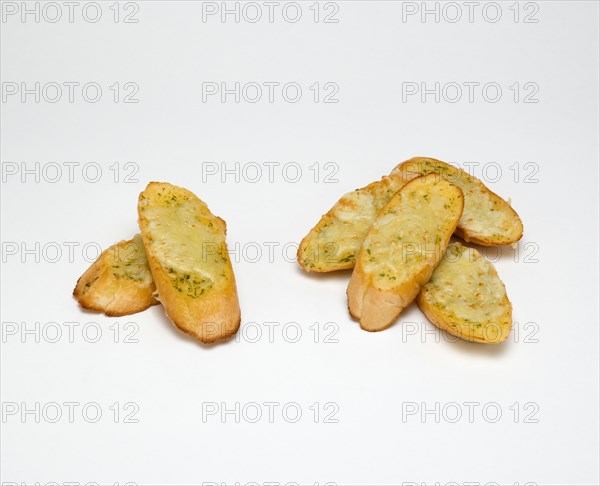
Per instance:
(466,297)
(334,242)
(190,265)
(119,282)
(405,243)
(487,219)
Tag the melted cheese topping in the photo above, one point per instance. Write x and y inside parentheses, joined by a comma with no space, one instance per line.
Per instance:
(485,214)
(336,240)
(128,260)
(187,239)
(466,289)
(411,233)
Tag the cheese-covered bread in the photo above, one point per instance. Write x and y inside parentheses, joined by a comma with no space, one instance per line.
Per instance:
(188,257)
(403,246)
(334,243)
(487,219)
(119,282)
(466,297)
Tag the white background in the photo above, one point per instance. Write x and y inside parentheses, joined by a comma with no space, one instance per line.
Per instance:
(170,134)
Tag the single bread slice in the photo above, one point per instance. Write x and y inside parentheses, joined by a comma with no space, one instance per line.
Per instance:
(119,282)
(487,219)
(402,248)
(466,297)
(334,243)
(188,257)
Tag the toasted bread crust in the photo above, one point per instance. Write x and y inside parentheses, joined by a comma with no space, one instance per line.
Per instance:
(334,242)
(403,246)
(188,258)
(487,220)
(466,297)
(119,282)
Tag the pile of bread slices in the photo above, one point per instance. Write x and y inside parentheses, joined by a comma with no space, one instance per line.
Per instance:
(180,259)
(396,233)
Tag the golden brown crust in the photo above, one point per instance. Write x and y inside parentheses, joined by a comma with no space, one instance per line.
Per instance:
(488,220)
(211,314)
(375,303)
(118,283)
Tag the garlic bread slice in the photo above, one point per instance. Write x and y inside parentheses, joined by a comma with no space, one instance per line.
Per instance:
(402,248)
(119,282)
(188,257)
(487,219)
(466,297)
(334,243)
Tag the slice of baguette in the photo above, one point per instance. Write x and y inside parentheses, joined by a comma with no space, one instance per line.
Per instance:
(487,219)
(402,248)
(188,257)
(466,297)
(119,282)
(334,243)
